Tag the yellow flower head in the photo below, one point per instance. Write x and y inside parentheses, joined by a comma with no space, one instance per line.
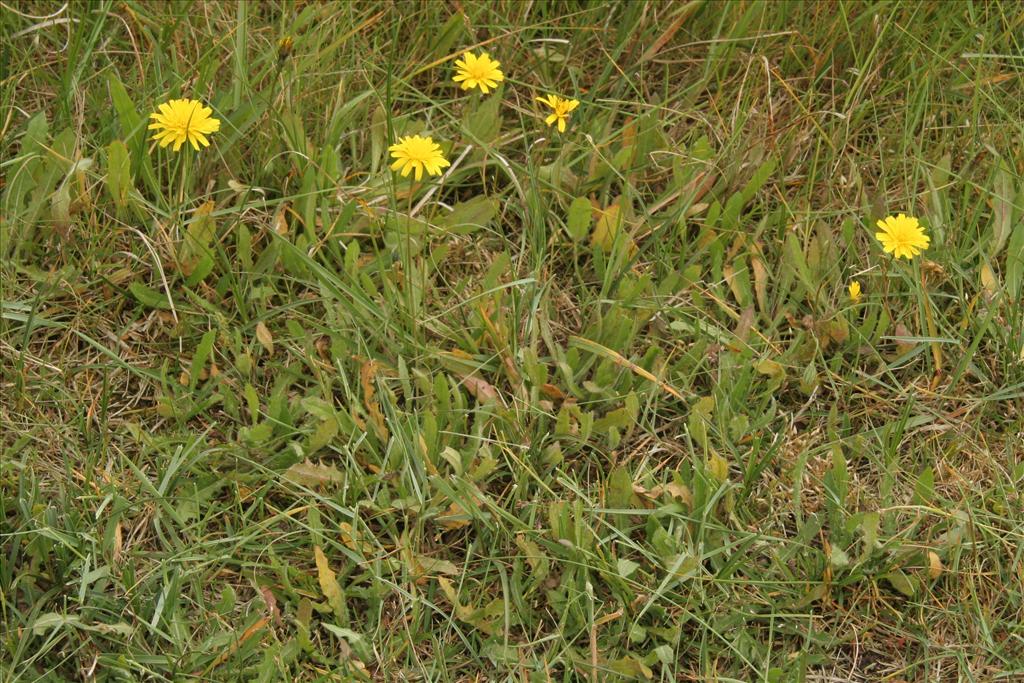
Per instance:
(478,72)
(415,153)
(560,110)
(854,289)
(285,45)
(181,121)
(902,236)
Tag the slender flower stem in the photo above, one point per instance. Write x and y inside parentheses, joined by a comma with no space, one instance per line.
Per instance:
(407,267)
(930,321)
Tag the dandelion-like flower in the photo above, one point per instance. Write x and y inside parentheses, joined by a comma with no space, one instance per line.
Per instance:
(478,72)
(415,153)
(561,109)
(181,121)
(285,45)
(854,290)
(902,236)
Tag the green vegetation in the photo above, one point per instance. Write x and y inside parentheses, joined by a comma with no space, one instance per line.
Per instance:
(592,406)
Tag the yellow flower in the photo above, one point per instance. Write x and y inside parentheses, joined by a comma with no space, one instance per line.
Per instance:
(902,236)
(854,289)
(478,72)
(181,121)
(413,152)
(285,46)
(561,108)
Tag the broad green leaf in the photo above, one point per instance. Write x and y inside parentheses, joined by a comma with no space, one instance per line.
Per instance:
(360,647)
(132,128)
(148,296)
(578,223)
(483,124)
(444,39)
(758,180)
(195,246)
(797,262)
(1015,259)
(199,359)
(901,582)
(469,216)
(619,489)
(869,532)
(699,418)
(838,558)
(626,567)
(378,137)
(23,175)
(924,488)
(119,173)
(324,433)
(1002,209)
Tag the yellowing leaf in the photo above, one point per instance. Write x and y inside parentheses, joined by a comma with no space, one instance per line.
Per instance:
(281,222)
(454,517)
(989,280)
(487,618)
(264,337)
(312,475)
(760,283)
(771,369)
(535,557)
(607,228)
(424,565)
(718,467)
(463,613)
(366,375)
(934,565)
(348,537)
(677,491)
(328,581)
(482,390)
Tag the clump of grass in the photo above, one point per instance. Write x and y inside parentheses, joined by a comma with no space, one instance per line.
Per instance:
(585,404)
